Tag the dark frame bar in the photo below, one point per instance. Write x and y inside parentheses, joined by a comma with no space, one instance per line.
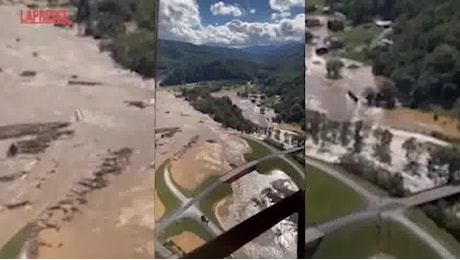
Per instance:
(236,237)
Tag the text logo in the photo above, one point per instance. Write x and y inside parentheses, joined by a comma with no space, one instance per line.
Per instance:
(44,16)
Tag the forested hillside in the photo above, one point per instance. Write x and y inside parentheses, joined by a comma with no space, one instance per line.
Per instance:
(424,61)
(186,62)
(279,72)
(363,11)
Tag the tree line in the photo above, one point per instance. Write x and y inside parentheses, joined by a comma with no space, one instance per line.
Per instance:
(221,109)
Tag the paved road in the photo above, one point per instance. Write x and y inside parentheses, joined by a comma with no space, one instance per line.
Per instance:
(385,206)
(422,234)
(190,209)
(164,252)
(189,206)
(163,223)
(300,170)
(392,207)
(430,195)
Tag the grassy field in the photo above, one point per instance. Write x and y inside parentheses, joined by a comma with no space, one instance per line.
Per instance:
(182,225)
(327,197)
(419,217)
(259,150)
(13,247)
(207,203)
(281,164)
(366,239)
(168,199)
(357,38)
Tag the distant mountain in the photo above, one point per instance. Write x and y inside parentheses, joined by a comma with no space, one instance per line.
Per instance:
(186,62)
(279,70)
(261,49)
(272,49)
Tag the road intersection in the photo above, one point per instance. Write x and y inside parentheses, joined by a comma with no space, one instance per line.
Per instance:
(377,206)
(189,206)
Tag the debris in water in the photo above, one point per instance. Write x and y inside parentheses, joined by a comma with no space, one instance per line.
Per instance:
(28,73)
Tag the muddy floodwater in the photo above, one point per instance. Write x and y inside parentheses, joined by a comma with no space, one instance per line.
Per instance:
(88,184)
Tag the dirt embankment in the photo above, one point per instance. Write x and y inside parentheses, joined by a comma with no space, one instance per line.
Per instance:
(187,241)
(422,122)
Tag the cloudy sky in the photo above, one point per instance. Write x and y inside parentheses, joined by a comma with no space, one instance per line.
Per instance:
(232,22)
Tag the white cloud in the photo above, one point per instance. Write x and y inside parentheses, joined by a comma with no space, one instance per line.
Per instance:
(180,20)
(220,8)
(285,5)
(252,11)
(279,16)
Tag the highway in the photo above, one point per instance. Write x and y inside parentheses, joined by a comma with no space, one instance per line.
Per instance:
(230,175)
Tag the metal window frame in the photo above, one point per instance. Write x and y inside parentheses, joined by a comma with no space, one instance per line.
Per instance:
(233,239)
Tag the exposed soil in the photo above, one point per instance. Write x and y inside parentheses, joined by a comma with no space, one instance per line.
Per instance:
(222,211)
(186,141)
(419,121)
(197,164)
(290,127)
(187,241)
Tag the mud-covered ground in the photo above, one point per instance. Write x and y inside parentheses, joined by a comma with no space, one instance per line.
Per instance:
(88,180)
(199,148)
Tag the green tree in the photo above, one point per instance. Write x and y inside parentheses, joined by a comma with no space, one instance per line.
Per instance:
(335,25)
(334,67)
(387,93)
(144,14)
(135,51)
(358,139)
(296,113)
(370,94)
(83,11)
(443,58)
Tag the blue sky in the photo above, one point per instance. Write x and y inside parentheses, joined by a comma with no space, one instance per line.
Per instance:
(252,11)
(232,22)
